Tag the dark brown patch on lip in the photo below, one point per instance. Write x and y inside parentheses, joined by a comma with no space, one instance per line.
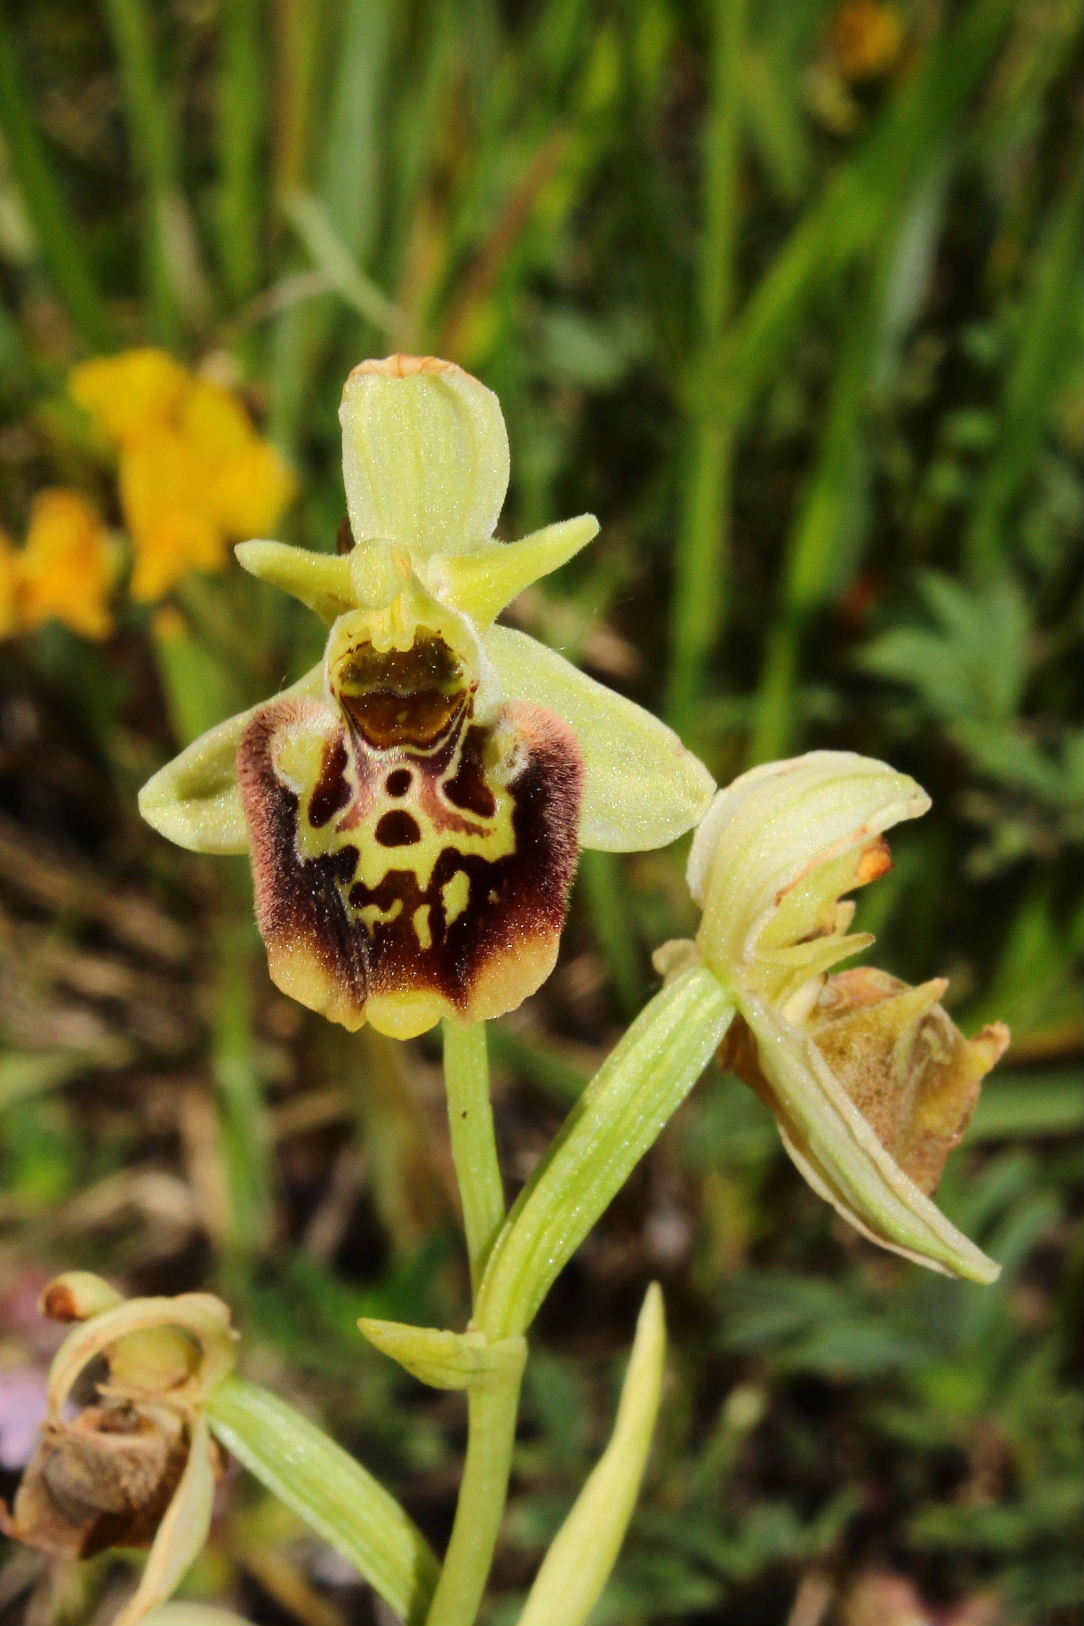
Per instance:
(398,782)
(298,900)
(398,829)
(445,938)
(344,537)
(399,697)
(524,893)
(468,789)
(332,791)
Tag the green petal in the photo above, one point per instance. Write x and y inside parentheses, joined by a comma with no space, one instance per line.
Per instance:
(425,455)
(584,1550)
(483,582)
(642,788)
(840,1156)
(321,581)
(195,800)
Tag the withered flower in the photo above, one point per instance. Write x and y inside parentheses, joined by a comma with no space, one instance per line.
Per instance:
(414,805)
(870,1082)
(135,1467)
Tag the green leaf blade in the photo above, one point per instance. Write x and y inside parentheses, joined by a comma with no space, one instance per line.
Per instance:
(335,1495)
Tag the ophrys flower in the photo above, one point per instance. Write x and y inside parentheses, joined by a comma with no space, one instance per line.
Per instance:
(413,806)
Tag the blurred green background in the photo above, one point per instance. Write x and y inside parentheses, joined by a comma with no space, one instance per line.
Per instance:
(789,295)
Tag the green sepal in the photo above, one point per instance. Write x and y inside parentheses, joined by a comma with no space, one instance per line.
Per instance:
(195,799)
(445,1360)
(839,1154)
(584,1550)
(425,455)
(321,581)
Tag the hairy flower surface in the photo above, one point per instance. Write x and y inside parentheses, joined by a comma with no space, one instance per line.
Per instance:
(194,475)
(869,1080)
(63,572)
(413,806)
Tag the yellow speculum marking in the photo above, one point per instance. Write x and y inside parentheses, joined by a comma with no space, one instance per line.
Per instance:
(299,758)
(455,895)
(420,922)
(372,914)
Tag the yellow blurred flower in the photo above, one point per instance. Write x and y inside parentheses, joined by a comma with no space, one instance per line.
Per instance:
(865,39)
(194,474)
(64,572)
(9,586)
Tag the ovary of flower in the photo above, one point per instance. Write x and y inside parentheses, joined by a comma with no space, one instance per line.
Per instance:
(65,570)
(870,1082)
(194,475)
(414,805)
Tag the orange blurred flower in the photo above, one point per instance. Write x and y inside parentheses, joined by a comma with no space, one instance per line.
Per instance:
(194,474)
(64,572)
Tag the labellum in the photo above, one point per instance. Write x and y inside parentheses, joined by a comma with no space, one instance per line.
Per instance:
(412,856)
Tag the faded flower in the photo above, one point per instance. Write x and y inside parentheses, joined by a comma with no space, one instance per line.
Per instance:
(870,1082)
(136,1467)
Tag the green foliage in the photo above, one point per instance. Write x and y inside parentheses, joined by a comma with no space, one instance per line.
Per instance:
(809,347)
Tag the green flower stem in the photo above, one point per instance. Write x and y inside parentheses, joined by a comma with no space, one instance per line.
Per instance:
(474,1146)
(493,1399)
(492,1406)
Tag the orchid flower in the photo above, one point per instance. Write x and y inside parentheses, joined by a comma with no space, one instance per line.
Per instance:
(870,1082)
(413,806)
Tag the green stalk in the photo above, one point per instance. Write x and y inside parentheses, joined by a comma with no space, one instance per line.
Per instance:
(492,1398)
(244,1142)
(241,118)
(474,1147)
(1045,352)
(617,1119)
(492,1405)
(59,239)
(698,590)
(154,158)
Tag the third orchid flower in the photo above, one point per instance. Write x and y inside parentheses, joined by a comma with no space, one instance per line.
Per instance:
(870,1082)
(414,804)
